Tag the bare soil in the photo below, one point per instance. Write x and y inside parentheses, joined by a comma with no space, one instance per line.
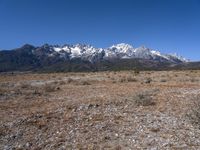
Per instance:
(105,110)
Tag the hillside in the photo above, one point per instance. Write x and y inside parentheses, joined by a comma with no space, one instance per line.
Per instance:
(80,57)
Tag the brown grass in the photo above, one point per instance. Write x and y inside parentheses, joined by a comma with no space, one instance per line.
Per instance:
(194,113)
(144,99)
(50,88)
(107,112)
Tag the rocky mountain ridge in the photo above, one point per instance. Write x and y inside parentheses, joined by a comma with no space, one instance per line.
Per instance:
(84,56)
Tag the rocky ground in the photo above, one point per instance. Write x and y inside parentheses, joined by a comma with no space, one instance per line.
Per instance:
(106,110)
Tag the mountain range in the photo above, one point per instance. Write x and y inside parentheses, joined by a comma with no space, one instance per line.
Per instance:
(81,57)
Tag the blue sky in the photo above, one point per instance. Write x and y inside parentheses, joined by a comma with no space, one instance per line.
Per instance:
(166,25)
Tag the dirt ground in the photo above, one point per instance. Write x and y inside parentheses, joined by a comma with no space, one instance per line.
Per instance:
(104,110)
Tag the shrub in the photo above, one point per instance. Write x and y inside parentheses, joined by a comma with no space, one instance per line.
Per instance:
(163,80)
(36,92)
(194,112)
(114,82)
(50,88)
(62,82)
(148,80)
(25,86)
(144,99)
(112,78)
(130,79)
(176,75)
(123,79)
(70,80)
(136,71)
(194,80)
(2,91)
(85,83)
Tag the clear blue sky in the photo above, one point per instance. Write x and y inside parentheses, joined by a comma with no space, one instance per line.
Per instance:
(167,25)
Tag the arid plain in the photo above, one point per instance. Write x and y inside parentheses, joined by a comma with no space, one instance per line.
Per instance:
(100,110)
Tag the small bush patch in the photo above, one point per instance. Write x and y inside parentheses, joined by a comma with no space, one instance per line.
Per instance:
(144,99)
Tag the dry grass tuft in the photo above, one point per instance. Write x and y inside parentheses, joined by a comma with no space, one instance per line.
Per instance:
(136,71)
(194,112)
(144,99)
(123,79)
(70,80)
(62,82)
(131,79)
(148,80)
(163,80)
(127,79)
(3,91)
(25,86)
(50,88)
(84,83)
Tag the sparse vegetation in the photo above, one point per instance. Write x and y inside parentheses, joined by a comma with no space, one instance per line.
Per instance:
(194,112)
(144,99)
(35,114)
(127,79)
(194,80)
(136,71)
(122,79)
(50,88)
(2,91)
(70,80)
(148,80)
(84,83)
(62,82)
(131,79)
(25,86)
(163,80)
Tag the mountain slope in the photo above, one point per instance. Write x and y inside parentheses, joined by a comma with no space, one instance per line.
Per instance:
(80,57)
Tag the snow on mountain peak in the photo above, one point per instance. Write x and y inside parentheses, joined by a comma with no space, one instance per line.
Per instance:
(57,49)
(142,49)
(180,57)
(156,52)
(122,46)
(121,51)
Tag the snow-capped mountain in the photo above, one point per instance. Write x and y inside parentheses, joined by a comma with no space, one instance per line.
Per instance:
(119,51)
(127,51)
(84,57)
